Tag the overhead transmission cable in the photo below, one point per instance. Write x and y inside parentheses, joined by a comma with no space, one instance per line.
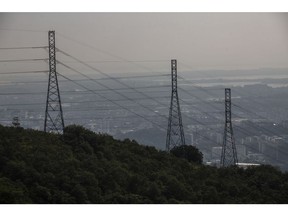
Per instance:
(102,73)
(24,72)
(23,60)
(149,97)
(138,92)
(117,104)
(105,52)
(112,55)
(255,125)
(247,133)
(126,61)
(112,78)
(97,70)
(105,86)
(21,48)
(256,114)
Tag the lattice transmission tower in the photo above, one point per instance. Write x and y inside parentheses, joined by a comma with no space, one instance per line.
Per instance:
(175,132)
(54,121)
(229,154)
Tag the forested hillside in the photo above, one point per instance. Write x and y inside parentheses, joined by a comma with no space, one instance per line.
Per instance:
(84,167)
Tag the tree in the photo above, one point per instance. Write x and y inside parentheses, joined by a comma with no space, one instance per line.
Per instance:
(16,122)
(190,153)
(81,166)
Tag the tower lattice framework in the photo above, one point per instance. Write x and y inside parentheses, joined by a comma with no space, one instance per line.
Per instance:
(229,154)
(175,132)
(54,121)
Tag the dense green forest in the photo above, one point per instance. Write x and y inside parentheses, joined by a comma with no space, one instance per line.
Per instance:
(81,166)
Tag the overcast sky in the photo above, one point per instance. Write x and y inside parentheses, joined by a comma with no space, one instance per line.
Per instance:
(201,40)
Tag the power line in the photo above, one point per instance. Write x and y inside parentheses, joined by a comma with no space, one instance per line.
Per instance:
(73,110)
(135,77)
(105,75)
(99,71)
(102,74)
(249,111)
(21,104)
(236,126)
(86,92)
(78,80)
(24,72)
(80,102)
(23,60)
(204,137)
(17,48)
(114,102)
(193,95)
(117,61)
(195,85)
(93,68)
(105,86)
(98,50)
(255,125)
(109,77)
(199,98)
(267,130)
(206,113)
(247,133)
(117,117)
(118,78)
(195,120)
(22,93)
(129,61)
(102,51)
(87,118)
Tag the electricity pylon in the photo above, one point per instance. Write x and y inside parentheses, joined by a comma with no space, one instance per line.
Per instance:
(175,132)
(54,121)
(229,154)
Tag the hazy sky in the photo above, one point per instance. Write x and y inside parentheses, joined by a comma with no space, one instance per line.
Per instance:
(201,40)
